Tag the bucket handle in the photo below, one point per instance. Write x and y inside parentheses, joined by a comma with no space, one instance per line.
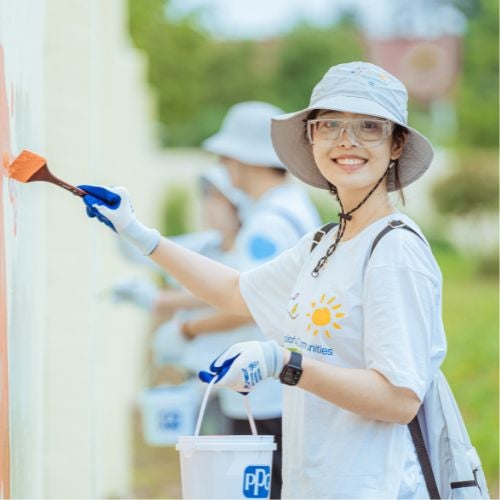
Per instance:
(203,407)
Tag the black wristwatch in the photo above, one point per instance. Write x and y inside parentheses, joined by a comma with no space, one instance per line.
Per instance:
(291,373)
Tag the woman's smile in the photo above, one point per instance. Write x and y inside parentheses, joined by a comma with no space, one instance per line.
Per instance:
(349,163)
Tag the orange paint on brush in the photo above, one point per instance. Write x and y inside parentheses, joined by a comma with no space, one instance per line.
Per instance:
(30,167)
(25,166)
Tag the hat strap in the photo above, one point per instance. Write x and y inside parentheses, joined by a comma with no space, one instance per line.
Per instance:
(344,218)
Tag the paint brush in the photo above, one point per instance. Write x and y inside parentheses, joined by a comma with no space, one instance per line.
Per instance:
(30,167)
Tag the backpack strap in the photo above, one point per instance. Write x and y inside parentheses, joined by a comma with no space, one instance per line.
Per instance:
(414,425)
(423,458)
(320,233)
(393,224)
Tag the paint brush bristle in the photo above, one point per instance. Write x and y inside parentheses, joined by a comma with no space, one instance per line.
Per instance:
(25,166)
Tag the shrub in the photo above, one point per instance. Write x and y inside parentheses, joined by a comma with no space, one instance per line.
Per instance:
(472,187)
(176,211)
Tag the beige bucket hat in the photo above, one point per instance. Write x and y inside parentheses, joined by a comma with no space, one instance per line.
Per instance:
(356,87)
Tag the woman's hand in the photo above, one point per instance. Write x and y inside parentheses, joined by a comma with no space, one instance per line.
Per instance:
(113,207)
(244,365)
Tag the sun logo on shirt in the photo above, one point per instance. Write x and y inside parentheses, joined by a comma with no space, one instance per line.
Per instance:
(325,314)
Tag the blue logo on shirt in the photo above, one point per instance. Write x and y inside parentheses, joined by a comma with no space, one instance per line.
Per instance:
(256,481)
(261,248)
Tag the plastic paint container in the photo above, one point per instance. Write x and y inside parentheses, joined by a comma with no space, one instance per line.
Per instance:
(169,412)
(220,467)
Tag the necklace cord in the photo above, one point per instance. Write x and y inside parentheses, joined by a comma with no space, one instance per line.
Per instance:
(343,219)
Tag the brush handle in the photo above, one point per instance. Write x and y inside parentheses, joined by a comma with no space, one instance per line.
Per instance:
(44,174)
(73,189)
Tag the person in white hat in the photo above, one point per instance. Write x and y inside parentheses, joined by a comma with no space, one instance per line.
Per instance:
(223,207)
(281,212)
(354,313)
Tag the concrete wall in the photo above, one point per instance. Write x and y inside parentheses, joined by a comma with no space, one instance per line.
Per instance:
(97,115)
(21,228)
(73,91)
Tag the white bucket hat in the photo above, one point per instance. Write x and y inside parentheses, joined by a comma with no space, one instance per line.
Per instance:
(245,135)
(356,87)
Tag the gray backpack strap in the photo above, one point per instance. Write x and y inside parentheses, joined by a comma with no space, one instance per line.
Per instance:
(423,458)
(320,233)
(393,224)
(414,425)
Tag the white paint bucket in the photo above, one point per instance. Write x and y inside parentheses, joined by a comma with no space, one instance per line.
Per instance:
(225,466)
(169,412)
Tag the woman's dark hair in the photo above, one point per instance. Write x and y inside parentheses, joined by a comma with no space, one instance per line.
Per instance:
(280,172)
(399,135)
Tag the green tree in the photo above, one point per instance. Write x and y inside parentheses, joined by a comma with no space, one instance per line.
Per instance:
(306,53)
(177,56)
(477,96)
(196,78)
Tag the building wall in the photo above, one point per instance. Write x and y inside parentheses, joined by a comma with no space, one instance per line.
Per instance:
(72,89)
(22,304)
(97,116)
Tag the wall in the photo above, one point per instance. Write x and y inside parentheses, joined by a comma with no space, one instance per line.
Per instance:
(21,275)
(71,361)
(97,111)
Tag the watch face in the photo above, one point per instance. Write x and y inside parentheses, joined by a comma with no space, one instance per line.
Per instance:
(291,373)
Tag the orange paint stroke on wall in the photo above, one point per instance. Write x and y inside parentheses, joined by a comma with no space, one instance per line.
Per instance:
(5,155)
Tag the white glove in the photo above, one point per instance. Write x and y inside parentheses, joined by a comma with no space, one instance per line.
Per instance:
(244,365)
(113,207)
(139,292)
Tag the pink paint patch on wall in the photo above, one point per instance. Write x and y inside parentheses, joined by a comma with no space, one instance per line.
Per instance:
(5,155)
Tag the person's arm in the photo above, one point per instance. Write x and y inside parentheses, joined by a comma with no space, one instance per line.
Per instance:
(212,323)
(362,391)
(210,281)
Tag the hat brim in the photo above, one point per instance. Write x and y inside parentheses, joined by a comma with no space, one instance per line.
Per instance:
(288,134)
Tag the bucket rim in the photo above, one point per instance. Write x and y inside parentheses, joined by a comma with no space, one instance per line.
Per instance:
(227,443)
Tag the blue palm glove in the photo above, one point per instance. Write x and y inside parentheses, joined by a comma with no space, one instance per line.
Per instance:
(244,365)
(100,196)
(113,207)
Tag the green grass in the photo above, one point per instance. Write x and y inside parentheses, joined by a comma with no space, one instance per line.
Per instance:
(470,312)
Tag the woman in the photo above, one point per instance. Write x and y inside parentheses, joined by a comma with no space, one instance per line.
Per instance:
(357,329)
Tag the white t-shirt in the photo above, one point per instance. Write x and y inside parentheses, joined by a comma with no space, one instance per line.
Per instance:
(381,312)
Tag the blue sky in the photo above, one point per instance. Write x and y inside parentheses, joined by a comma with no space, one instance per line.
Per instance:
(266,18)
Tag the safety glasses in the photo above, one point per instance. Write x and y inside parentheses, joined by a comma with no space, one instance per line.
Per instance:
(362,132)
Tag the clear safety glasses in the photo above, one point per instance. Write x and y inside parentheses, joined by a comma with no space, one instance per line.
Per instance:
(362,132)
